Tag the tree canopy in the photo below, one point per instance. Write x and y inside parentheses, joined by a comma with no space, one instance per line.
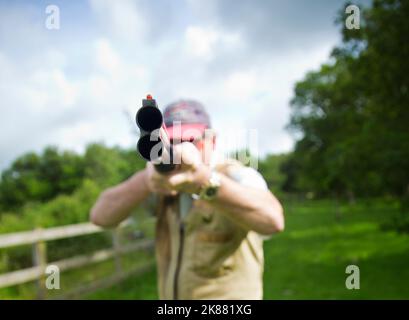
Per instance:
(42,177)
(353,113)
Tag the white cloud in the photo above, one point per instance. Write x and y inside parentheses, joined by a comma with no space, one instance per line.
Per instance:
(74,92)
(203,42)
(241,85)
(121,19)
(107,59)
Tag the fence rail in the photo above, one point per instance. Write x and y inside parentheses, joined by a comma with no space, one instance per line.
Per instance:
(39,237)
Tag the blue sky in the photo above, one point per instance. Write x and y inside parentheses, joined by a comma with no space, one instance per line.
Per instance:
(84,82)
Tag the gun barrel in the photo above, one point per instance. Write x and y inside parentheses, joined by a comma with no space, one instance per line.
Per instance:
(149,118)
(154,144)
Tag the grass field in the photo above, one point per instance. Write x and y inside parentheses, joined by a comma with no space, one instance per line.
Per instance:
(309,259)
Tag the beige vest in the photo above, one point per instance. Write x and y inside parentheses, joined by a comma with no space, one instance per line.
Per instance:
(206,255)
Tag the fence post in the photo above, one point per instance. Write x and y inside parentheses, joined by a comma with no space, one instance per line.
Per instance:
(40,259)
(117,249)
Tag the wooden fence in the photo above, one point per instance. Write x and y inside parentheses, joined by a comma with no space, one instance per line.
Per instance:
(38,239)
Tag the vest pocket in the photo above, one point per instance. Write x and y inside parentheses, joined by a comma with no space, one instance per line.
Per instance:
(213,253)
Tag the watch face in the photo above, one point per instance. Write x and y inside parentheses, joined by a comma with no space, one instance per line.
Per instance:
(211,192)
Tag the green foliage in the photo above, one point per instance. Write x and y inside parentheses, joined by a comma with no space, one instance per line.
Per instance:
(353,112)
(33,177)
(40,178)
(269,167)
(77,181)
(58,188)
(62,210)
(108,166)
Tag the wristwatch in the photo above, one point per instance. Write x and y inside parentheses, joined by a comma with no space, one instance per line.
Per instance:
(209,190)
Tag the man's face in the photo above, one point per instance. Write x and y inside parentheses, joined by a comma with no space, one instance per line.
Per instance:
(204,144)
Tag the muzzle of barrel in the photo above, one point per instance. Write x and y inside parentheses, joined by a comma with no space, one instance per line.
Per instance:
(151,145)
(149,119)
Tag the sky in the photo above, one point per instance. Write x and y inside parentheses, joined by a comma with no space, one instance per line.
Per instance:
(84,82)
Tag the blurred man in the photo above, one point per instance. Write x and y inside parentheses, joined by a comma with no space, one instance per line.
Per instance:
(212,216)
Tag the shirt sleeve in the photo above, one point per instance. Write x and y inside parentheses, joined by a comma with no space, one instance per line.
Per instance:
(249,177)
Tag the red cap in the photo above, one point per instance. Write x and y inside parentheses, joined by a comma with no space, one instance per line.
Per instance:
(186,120)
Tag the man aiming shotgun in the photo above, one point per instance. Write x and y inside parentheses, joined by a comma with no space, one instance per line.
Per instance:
(212,216)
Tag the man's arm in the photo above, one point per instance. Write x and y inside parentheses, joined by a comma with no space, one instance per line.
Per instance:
(252,208)
(116,203)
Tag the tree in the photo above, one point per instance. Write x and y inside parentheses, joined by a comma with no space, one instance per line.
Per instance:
(269,167)
(108,166)
(33,177)
(353,113)
(42,177)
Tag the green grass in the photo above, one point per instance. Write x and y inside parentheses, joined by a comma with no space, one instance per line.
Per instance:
(142,287)
(309,259)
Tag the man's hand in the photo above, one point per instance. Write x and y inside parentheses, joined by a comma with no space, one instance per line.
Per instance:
(189,176)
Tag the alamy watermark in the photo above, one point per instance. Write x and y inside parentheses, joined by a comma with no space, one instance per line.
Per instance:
(353,20)
(238,144)
(52,21)
(352,281)
(52,282)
